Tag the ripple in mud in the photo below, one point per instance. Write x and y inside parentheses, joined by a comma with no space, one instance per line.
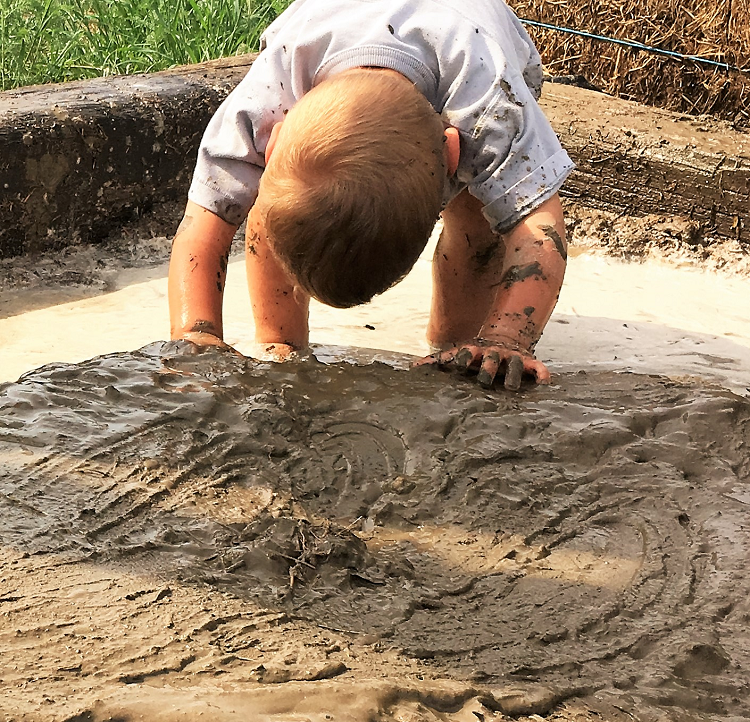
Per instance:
(207,521)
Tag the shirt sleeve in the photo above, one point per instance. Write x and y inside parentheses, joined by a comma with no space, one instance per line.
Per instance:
(511,159)
(518,161)
(231,157)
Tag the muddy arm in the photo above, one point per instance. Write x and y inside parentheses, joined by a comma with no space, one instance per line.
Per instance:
(280,307)
(513,293)
(197,274)
(533,271)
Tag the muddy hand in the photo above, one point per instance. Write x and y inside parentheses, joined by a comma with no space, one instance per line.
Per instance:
(279,352)
(204,339)
(490,360)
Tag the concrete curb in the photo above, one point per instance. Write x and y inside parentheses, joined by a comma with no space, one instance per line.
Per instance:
(79,159)
(636,160)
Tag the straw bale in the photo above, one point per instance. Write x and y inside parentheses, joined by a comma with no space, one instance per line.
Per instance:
(714,29)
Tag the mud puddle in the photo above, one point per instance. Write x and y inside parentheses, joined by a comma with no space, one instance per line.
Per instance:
(187,535)
(649,317)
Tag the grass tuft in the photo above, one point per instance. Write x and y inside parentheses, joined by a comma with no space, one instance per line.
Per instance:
(49,41)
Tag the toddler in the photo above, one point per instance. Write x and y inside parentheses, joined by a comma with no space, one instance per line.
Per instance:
(358,125)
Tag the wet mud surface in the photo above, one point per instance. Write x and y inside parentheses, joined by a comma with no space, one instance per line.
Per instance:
(192,534)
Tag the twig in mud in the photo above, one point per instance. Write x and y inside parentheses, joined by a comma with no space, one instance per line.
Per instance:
(295,560)
(354,523)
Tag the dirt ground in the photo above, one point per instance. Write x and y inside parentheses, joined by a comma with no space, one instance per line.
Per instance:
(674,240)
(188,536)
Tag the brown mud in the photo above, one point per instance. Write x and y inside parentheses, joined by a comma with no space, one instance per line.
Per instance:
(189,535)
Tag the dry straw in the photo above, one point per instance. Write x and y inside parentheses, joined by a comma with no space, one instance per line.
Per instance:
(715,29)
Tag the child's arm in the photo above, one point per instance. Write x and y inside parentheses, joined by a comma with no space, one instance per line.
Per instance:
(533,272)
(280,308)
(197,273)
(526,293)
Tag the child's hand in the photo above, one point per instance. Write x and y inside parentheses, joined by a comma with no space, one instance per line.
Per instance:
(489,358)
(277,352)
(203,339)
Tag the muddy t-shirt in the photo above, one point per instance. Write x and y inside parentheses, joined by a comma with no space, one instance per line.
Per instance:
(473,61)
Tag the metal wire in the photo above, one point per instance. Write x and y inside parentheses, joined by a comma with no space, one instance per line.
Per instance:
(636,45)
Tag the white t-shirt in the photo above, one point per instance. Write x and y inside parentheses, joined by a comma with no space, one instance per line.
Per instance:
(472,60)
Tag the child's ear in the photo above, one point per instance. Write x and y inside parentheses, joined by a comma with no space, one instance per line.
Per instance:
(272,140)
(452,149)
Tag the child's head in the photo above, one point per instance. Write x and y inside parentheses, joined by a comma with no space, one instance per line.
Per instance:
(353,185)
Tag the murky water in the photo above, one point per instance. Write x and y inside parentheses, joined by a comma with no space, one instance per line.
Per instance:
(647,317)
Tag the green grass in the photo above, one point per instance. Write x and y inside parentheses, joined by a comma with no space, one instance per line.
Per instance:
(48,41)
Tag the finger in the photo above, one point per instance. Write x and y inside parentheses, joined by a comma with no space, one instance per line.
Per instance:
(464,358)
(538,370)
(204,339)
(444,358)
(488,371)
(430,360)
(514,373)
(278,352)
(441,358)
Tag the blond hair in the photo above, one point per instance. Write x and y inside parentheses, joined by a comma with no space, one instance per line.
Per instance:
(354,186)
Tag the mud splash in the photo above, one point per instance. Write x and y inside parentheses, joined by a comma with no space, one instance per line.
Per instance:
(188,533)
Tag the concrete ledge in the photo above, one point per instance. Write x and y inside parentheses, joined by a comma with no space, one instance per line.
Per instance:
(80,159)
(636,160)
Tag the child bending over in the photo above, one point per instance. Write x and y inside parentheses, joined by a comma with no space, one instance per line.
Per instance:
(360,122)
